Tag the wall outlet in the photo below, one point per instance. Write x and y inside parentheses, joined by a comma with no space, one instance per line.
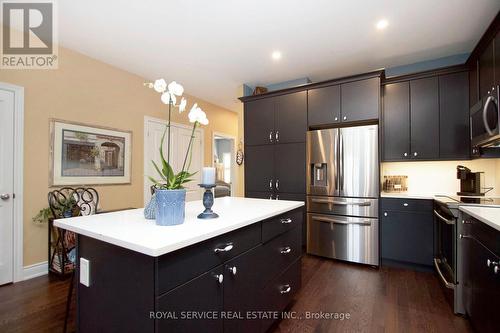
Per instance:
(85,272)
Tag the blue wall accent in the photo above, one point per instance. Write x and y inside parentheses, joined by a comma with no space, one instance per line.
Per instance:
(456,59)
(452,60)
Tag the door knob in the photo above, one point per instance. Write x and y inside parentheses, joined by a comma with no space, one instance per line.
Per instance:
(5,196)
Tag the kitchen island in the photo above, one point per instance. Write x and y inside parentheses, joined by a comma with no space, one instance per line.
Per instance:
(233,274)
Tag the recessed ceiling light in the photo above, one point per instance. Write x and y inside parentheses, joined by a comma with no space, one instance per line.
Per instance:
(382,24)
(276,55)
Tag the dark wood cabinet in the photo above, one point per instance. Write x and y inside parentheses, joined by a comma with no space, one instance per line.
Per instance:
(290,168)
(278,119)
(473,84)
(480,245)
(454,132)
(427,118)
(424,118)
(407,232)
(497,59)
(396,121)
(486,70)
(259,168)
(259,121)
(323,105)
(203,294)
(290,118)
(360,100)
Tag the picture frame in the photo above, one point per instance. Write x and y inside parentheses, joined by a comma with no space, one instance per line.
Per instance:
(84,154)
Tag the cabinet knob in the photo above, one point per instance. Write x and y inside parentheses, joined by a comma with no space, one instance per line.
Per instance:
(271,136)
(345,118)
(277,196)
(496,269)
(270,184)
(285,289)
(405,154)
(219,278)
(385,213)
(227,248)
(336,118)
(415,154)
(277,136)
(286,221)
(286,250)
(277,184)
(489,263)
(405,204)
(232,270)
(270,197)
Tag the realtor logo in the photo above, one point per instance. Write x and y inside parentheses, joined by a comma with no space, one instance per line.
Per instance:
(28,35)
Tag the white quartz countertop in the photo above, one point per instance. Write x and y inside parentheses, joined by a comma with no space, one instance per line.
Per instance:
(129,228)
(488,215)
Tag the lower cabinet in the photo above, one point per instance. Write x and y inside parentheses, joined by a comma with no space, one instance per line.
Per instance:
(481,275)
(407,232)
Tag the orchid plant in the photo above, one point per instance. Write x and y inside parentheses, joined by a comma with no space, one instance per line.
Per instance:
(169,94)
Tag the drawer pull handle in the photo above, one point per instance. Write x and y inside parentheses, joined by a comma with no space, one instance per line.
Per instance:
(286,250)
(340,203)
(405,204)
(286,221)
(226,248)
(219,278)
(285,289)
(232,270)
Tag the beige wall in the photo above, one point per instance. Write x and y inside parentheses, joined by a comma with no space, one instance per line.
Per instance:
(86,90)
(440,177)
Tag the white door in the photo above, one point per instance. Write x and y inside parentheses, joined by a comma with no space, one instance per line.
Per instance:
(6,186)
(179,136)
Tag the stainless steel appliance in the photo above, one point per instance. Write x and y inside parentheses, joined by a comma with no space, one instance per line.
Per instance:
(342,193)
(484,121)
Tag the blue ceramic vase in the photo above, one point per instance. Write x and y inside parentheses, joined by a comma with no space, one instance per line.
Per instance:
(150,209)
(170,206)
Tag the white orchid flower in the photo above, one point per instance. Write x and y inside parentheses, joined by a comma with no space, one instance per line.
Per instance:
(175,88)
(160,85)
(182,105)
(167,98)
(197,115)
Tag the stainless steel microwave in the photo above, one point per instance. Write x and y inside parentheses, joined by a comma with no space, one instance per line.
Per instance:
(484,121)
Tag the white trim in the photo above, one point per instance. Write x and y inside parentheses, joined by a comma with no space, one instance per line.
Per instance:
(18,178)
(35,270)
(147,160)
(234,178)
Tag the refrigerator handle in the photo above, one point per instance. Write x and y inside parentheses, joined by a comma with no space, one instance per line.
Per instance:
(341,162)
(335,164)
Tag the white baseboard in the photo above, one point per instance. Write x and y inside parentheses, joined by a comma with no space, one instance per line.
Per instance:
(35,270)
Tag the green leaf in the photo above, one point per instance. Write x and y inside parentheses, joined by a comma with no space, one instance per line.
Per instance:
(153,180)
(159,172)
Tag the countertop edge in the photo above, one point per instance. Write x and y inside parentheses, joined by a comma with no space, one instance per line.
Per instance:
(470,210)
(173,247)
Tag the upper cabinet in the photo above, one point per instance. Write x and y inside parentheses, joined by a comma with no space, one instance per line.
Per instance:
(347,102)
(279,119)
(360,100)
(497,58)
(426,118)
(323,105)
(487,70)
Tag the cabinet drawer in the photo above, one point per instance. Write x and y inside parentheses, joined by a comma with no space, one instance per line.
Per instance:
(485,234)
(281,252)
(280,291)
(414,205)
(180,266)
(280,224)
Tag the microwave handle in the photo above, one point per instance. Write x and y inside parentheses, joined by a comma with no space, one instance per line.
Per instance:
(485,117)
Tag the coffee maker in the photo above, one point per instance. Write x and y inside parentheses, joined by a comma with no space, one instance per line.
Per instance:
(470,182)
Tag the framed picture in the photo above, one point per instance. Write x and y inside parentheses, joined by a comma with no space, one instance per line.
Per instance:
(88,155)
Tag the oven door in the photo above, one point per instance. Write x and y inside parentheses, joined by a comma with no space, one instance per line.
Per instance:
(484,121)
(445,245)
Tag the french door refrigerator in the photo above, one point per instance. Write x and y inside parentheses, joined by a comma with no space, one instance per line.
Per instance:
(342,193)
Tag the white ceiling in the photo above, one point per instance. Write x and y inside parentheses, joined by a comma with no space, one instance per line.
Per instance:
(212,47)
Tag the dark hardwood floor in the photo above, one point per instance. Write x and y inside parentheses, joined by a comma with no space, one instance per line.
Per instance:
(378,300)
(384,300)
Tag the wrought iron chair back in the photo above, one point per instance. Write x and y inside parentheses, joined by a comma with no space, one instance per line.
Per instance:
(84,201)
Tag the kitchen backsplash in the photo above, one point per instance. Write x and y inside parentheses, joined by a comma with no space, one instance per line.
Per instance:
(441,177)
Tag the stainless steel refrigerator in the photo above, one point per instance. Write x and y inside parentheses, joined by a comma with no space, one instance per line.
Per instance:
(342,193)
